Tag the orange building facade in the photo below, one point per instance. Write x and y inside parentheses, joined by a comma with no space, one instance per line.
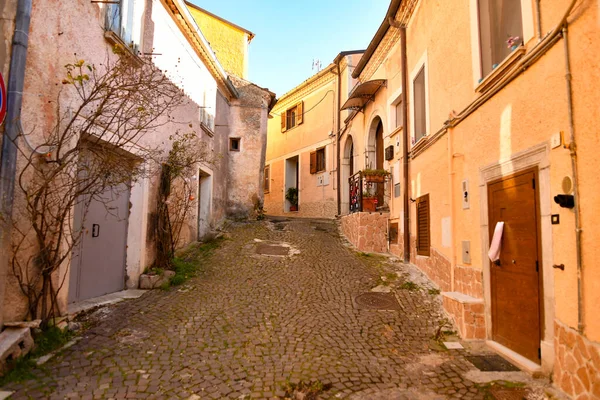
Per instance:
(496,103)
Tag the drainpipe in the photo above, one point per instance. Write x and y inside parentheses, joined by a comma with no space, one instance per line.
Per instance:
(8,163)
(405,198)
(450,156)
(573,151)
(538,11)
(338,137)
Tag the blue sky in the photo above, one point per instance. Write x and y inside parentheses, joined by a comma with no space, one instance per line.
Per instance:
(289,35)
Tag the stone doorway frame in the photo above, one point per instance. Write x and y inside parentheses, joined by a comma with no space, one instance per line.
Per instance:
(536,156)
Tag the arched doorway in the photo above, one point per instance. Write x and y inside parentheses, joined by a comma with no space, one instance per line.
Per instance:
(347,171)
(374,155)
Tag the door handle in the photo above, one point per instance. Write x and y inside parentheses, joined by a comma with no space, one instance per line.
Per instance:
(95,230)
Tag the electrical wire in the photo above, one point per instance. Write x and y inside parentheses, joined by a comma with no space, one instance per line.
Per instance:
(312,108)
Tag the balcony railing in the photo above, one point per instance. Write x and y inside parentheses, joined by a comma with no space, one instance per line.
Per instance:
(356,189)
(367,192)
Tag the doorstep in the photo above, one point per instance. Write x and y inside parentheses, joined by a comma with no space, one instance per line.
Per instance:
(111,298)
(523,363)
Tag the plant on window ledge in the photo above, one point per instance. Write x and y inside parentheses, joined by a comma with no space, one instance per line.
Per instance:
(513,42)
(375,175)
(292,196)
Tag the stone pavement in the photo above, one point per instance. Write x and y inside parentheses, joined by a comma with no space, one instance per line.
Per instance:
(251,322)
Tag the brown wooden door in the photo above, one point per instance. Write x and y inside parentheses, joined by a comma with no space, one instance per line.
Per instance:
(379,161)
(515,282)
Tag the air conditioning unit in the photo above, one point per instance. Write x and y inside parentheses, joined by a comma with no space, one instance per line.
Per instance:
(389,153)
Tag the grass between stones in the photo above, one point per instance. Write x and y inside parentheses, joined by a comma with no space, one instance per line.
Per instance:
(305,390)
(21,369)
(191,261)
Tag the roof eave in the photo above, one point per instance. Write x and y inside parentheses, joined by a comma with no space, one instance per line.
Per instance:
(379,35)
(207,54)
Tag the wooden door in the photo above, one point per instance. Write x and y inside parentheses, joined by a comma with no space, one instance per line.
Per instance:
(379,161)
(515,280)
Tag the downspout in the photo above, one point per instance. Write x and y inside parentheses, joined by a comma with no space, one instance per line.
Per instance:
(538,11)
(8,163)
(573,151)
(405,179)
(338,137)
(405,198)
(452,215)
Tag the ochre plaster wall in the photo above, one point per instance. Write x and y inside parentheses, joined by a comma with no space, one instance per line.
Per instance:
(319,102)
(229,43)
(526,114)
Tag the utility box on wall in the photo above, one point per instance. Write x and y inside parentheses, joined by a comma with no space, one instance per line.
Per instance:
(466,196)
(323,179)
(389,153)
(466,252)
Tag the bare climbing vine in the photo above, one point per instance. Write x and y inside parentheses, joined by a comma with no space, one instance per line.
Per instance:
(95,150)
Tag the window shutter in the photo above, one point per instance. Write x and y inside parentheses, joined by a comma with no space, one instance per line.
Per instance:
(313,162)
(283,121)
(267,183)
(300,112)
(423,236)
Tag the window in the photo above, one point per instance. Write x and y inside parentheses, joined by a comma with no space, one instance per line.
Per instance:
(120,19)
(500,29)
(234,144)
(292,117)
(423,235)
(420,105)
(399,111)
(267,183)
(317,161)
(396,179)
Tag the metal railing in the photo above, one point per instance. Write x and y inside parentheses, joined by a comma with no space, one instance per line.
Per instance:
(356,189)
(367,189)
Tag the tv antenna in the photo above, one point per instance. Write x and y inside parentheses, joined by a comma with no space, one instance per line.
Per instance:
(316,64)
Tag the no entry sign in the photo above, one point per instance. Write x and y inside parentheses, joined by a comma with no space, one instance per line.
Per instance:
(2,100)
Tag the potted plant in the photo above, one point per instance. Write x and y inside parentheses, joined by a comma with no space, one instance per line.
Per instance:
(292,196)
(375,175)
(513,42)
(369,200)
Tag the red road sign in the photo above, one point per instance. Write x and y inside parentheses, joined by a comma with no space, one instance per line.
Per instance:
(2,100)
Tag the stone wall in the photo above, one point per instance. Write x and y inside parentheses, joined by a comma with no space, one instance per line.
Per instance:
(577,363)
(469,281)
(437,267)
(468,314)
(367,231)
(248,121)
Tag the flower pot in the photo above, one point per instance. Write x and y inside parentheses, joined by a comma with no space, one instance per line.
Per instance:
(369,204)
(375,178)
(293,208)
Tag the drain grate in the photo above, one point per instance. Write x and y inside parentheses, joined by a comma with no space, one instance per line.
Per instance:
(492,362)
(377,301)
(509,394)
(272,250)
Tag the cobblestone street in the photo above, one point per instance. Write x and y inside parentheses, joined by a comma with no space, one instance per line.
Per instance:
(250,323)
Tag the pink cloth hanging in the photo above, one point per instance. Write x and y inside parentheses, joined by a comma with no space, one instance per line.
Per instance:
(495,246)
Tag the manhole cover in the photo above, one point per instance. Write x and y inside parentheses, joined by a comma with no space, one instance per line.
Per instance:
(508,394)
(491,363)
(272,250)
(377,301)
